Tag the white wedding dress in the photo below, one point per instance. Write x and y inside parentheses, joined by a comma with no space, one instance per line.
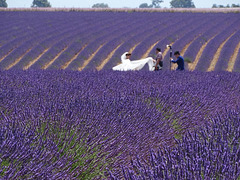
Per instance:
(128,65)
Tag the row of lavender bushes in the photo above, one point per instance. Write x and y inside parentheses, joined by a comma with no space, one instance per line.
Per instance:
(193,10)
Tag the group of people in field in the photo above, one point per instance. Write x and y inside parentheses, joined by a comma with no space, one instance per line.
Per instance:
(154,64)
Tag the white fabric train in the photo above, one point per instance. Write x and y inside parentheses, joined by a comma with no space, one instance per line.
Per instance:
(128,65)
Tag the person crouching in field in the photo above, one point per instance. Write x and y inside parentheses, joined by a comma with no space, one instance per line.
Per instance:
(179,61)
(159,63)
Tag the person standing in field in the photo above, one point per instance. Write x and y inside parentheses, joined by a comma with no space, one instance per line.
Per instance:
(159,57)
(179,61)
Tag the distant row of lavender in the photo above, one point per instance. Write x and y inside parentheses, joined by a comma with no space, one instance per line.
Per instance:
(56,124)
(192,10)
(83,40)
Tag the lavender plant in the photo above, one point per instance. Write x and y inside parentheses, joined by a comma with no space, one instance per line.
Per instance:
(211,152)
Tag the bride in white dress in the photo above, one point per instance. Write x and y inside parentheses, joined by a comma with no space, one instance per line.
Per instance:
(128,65)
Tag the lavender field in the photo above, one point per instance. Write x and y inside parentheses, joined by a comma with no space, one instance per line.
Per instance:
(119,125)
(83,40)
(64,114)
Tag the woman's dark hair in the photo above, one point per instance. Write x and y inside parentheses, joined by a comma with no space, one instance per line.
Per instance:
(177,53)
(158,49)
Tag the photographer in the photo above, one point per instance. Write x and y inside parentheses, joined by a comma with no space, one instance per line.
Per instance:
(179,61)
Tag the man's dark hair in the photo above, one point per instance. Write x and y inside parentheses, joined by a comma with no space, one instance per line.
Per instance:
(158,49)
(177,53)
